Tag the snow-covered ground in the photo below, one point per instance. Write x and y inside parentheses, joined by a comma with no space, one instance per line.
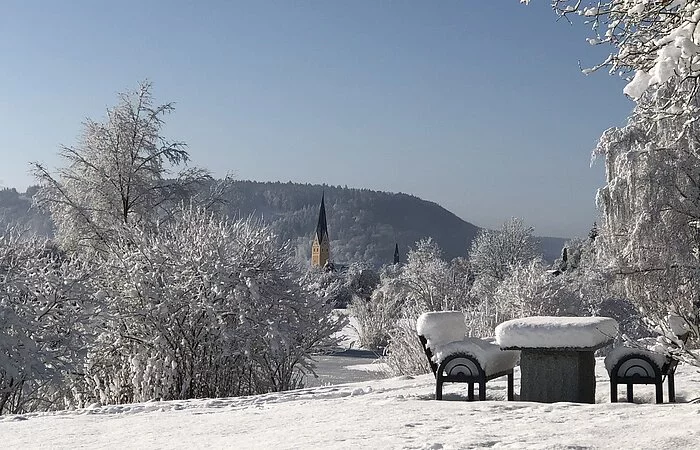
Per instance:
(349,363)
(390,413)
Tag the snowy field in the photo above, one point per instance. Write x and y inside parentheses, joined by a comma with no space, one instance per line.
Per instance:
(390,413)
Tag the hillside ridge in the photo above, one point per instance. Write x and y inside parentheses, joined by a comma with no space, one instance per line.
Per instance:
(364,224)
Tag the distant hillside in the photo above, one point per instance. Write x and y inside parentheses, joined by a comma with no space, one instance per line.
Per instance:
(16,208)
(364,225)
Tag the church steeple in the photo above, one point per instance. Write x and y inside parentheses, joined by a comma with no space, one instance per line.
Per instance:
(320,249)
(396,253)
(322,226)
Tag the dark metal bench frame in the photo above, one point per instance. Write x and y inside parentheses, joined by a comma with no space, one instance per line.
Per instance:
(468,363)
(655,375)
(647,365)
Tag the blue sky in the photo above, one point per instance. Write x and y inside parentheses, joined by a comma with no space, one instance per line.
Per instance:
(479,106)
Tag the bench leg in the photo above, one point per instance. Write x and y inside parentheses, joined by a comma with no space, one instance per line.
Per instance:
(482,390)
(438,388)
(671,388)
(471,392)
(630,393)
(660,391)
(511,395)
(613,391)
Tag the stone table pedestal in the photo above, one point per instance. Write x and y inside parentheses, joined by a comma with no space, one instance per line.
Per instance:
(557,362)
(557,375)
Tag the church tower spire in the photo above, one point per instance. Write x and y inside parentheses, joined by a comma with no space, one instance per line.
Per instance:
(396,253)
(321,249)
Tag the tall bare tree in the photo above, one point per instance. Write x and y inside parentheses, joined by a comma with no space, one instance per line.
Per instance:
(121,172)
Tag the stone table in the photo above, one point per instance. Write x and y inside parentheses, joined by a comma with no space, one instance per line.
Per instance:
(557,362)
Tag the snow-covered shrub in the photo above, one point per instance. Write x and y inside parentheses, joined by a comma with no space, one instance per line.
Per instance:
(44,309)
(425,283)
(427,280)
(485,313)
(327,285)
(203,308)
(404,354)
(494,252)
(532,290)
(361,279)
(492,257)
(378,314)
(340,287)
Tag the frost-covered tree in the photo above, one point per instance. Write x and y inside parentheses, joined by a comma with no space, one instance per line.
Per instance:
(428,280)
(120,172)
(202,308)
(651,208)
(328,284)
(532,290)
(425,283)
(45,309)
(361,280)
(654,40)
(341,287)
(651,200)
(494,252)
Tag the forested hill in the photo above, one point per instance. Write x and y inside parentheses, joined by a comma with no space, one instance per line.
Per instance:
(364,225)
(15,208)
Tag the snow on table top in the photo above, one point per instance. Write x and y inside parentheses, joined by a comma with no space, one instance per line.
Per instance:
(441,327)
(556,332)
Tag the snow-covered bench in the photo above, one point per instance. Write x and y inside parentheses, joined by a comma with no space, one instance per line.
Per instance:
(557,362)
(646,363)
(456,358)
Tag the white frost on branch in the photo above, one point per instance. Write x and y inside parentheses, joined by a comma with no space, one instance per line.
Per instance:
(650,204)
(655,41)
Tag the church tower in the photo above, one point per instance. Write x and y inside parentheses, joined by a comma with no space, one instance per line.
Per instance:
(321,249)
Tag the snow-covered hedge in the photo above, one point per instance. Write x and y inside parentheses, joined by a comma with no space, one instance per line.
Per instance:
(199,307)
(44,309)
(203,308)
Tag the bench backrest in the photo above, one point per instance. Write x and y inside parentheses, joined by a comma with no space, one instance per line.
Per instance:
(440,328)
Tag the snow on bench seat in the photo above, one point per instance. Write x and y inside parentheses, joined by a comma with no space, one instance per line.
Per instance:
(489,354)
(556,332)
(653,348)
(445,332)
(618,353)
